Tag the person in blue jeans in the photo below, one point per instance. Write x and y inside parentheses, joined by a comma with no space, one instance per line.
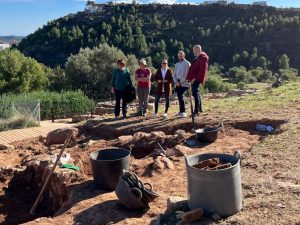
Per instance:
(164,78)
(180,73)
(120,80)
(197,74)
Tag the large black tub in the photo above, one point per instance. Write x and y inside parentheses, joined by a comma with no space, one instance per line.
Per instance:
(208,135)
(107,165)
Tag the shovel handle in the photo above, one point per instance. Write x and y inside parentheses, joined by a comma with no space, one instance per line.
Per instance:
(32,210)
(191,103)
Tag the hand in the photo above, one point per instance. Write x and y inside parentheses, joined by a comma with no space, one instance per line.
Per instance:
(177,84)
(159,81)
(166,81)
(113,90)
(192,81)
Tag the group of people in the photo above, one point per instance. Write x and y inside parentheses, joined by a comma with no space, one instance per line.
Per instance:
(185,75)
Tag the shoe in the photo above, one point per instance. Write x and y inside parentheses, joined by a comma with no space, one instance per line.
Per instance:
(165,115)
(182,115)
(154,115)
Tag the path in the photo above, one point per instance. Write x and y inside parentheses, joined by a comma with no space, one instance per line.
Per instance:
(7,137)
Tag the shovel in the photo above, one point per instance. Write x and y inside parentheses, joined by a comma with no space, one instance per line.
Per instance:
(32,210)
(192,108)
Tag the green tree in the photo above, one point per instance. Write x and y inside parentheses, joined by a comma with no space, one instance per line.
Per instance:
(284,62)
(20,74)
(91,69)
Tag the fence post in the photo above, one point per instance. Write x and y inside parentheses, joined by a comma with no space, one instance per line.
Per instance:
(39,111)
(52,114)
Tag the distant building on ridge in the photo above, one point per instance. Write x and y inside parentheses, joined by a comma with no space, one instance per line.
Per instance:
(4,45)
(92,7)
(260,3)
(220,2)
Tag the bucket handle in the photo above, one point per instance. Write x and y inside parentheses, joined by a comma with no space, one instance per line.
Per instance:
(138,192)
(185,158)
(237,154)
(148,184)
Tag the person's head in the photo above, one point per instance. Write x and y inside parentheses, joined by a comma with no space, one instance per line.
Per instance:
(164,63)
(181,55)
(143,63)
(120,64)
(197,50)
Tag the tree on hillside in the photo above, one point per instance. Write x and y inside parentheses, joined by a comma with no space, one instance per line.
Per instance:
(20,74)
(91,69)
(284,62)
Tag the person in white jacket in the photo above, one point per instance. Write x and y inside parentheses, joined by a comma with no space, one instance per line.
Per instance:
(180,73)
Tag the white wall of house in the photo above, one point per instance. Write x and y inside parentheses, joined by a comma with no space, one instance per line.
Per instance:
(4,46)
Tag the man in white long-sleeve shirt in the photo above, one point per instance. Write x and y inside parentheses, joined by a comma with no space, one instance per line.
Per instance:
(180,73)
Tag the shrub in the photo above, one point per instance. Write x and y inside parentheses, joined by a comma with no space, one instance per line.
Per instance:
(242,85)
(214,83)
(288,74)
(17,122)
(63,104)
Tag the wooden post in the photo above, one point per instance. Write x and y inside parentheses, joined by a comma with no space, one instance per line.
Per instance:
(52,114)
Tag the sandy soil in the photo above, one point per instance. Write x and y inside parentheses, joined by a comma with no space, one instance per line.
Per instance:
(270,171)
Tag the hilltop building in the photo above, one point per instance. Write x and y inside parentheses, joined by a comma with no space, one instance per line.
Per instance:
(92,7)
(220,2)
(261,3)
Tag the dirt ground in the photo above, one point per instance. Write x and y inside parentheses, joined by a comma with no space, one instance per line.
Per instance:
(270,171)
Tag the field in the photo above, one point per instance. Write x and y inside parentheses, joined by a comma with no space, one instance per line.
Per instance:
(270,165)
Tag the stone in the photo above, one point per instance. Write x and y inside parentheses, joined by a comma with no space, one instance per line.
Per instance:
(80,118)
(6,147)
(100,110)
(192,216)
(294,188)
(59,136)
(162,162)
(125,138)
(182,150)
(176,203)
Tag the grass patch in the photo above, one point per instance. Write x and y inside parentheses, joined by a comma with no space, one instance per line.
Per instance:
(17,122)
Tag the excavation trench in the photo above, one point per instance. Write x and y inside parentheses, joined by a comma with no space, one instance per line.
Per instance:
(23,189)
(24,186)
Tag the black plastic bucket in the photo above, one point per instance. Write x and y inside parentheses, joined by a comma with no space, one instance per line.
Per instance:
(107,165)
(217,191)
(207,135)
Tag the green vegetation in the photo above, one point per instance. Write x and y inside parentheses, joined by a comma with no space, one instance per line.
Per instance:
(91,69)
(17,122)
(228,33)
(286,95)
(63,104)
(20,74)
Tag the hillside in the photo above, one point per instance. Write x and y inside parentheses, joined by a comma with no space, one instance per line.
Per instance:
(11,39)
(158,31)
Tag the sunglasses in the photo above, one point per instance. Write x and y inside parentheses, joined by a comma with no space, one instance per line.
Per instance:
(164,63)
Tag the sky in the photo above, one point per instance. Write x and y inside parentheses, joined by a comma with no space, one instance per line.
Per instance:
(22,17)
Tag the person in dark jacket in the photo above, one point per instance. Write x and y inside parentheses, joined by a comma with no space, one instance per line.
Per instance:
(164,78)
(196,76)
(120,80)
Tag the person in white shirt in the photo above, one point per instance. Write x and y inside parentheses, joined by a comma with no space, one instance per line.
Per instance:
(181,84)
